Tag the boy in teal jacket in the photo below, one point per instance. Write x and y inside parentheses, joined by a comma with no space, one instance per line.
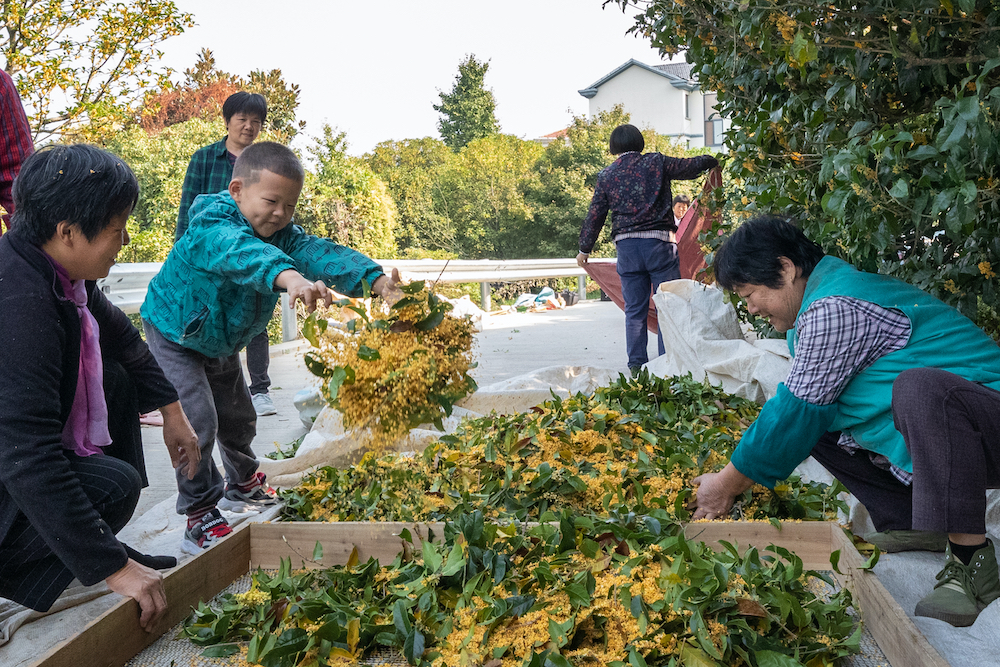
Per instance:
(216,291)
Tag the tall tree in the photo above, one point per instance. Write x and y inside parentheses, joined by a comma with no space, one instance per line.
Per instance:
(78,63)
(468,111)
(873,122)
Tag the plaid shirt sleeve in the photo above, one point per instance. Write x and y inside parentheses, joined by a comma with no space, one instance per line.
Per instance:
(837,338)
(208,172)
(15,135)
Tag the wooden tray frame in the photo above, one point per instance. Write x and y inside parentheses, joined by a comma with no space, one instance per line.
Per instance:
(115,637)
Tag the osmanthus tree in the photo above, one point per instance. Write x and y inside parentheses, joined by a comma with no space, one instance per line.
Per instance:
(875,123)
(84,62)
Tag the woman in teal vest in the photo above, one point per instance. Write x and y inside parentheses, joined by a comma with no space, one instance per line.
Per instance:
(896,393)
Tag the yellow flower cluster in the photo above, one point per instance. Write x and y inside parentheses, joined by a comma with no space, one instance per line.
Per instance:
(398,369)
(986,269)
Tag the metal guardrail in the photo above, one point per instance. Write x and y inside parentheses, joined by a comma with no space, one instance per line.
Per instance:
(126,284)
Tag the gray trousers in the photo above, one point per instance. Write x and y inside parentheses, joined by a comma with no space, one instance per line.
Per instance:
(258,360)
(952,429)
(216,401)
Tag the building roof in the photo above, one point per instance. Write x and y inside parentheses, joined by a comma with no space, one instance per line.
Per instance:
(682,70)
(679,75)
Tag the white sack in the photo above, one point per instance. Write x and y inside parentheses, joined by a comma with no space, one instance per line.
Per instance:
(702,336)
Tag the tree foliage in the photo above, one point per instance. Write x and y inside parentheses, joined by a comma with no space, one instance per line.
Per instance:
(468,110)
(205,89)
(412,170)
(159,161)
(344,200)
(483,196)
(77,63)
(874,123)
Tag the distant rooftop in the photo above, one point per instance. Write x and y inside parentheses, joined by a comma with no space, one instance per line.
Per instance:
(679,75)
(682,70)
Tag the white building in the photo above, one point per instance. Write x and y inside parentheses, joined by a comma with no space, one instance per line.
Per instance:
(662,97)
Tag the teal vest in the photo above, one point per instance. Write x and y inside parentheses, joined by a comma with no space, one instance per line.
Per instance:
(940,337)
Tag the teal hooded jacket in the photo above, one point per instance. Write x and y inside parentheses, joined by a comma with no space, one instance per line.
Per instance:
(940,337)
(216,290)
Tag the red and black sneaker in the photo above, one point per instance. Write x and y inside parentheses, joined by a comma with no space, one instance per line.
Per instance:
(204,532)
(253,494)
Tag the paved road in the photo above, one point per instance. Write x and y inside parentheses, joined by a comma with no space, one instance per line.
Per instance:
(591,333)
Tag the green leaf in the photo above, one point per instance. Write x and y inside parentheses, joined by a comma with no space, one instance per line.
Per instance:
(340,375)
(803,49)
(413,287)
(432,559)
(900,190)
(692,656)
(559,633)
(316,366)
(455,562)
(221,651)
(859,128)
(954,134)
(835,561)
(313,327)
(968,108)
(431,321)
(923,152)
(556,660)
(775,659)
(318,551)
(401,619)
(406,301)
(967,191)
(413,647)
(366,353)
(872,560)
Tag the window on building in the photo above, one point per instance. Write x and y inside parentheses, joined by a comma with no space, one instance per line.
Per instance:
(687,106)
(713,120)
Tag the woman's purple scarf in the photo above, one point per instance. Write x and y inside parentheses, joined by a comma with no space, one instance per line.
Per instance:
(86,431)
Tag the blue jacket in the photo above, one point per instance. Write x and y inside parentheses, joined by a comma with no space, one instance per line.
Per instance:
(216,291)
(940,337)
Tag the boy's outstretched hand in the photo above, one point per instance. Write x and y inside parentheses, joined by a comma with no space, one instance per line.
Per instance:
(300,289)
(387,287)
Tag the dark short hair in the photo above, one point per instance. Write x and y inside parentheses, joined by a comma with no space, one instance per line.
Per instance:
(270,156)
(251,104)
(83,184)
(682,199)
(625,138)
(750,256)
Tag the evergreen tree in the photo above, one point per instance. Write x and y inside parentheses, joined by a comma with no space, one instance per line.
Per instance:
(468,110)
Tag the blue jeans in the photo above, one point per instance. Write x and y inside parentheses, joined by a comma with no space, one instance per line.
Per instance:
(642,265)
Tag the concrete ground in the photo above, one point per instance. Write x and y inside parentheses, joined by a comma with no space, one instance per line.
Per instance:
(591,333)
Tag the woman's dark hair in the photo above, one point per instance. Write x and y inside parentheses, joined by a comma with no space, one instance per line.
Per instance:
(625,138)
(251,104)
(750,256)
(80,183)
(271,156)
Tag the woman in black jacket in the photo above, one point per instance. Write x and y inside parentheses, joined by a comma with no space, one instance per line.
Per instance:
(62,496)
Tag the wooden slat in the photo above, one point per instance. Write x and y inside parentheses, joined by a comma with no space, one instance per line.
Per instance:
(116,636)
(810,540)
(893,629)
(270,542)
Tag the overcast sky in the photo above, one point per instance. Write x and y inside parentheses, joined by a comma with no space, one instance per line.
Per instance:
(374,69)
